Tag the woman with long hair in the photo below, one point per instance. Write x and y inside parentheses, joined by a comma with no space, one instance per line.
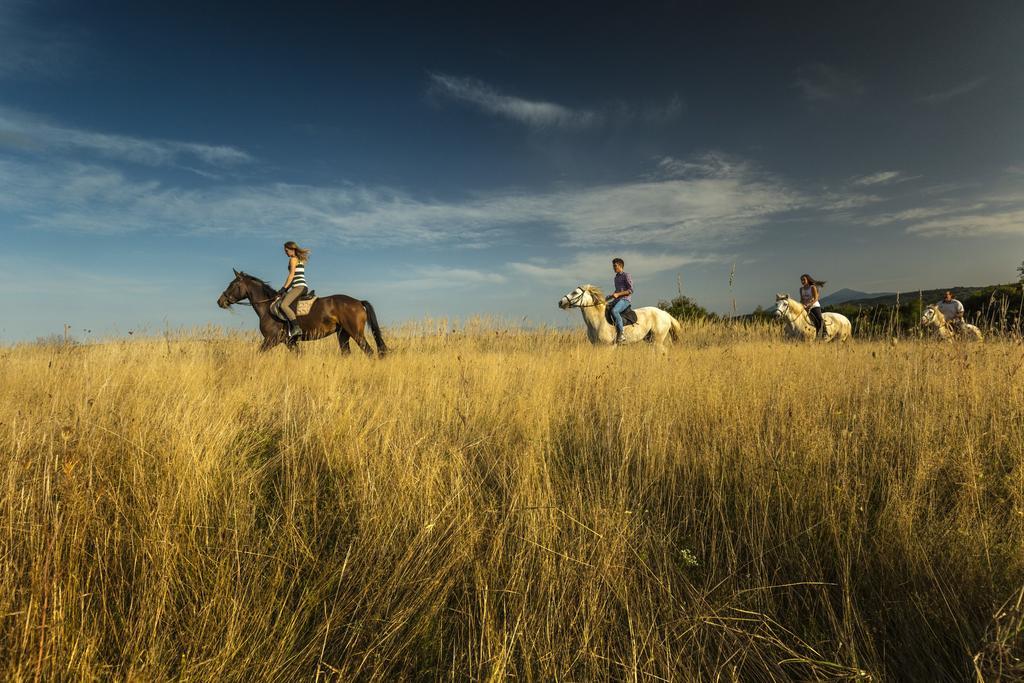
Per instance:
(295,284)
(809,297)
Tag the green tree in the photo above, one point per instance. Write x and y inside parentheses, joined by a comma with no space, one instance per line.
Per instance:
(684,307)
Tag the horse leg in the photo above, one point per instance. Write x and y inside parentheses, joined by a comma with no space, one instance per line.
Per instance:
(271,337)
(343,338)
(354,330)
(357,334)
(364,345)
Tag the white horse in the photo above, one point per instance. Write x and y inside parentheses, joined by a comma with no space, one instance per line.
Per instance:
(652,324)
(799,325)
(934,318)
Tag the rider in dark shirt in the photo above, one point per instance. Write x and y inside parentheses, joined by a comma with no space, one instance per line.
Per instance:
(621,297)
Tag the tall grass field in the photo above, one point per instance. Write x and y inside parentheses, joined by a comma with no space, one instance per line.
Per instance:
(499,504)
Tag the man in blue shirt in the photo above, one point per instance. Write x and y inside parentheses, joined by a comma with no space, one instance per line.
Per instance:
(620,298)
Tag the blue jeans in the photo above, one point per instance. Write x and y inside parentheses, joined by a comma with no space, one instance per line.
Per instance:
(617,308)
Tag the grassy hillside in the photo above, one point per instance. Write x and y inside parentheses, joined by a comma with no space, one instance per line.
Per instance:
(996,308)
(492,503)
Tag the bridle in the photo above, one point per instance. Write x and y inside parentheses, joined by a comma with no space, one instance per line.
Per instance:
(931,317)
(239,302)
(579,297)
(788,311)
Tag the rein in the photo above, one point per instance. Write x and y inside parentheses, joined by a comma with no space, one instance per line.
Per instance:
(943,327)
(578,299)
(795,320)
(247,303)
(250,302)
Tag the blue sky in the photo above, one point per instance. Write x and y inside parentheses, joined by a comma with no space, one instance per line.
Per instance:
(485,159)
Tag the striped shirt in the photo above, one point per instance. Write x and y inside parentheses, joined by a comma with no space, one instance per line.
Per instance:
(300,276)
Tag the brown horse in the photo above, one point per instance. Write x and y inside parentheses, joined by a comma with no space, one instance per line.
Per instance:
(338,314)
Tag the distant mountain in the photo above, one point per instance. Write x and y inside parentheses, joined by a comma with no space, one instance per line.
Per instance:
(846,294)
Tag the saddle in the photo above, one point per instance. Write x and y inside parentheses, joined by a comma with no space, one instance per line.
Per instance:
(628,316)
(302,305)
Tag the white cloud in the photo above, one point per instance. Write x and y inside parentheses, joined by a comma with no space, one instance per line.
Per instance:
(535,113)
(1007,220)
(702,212)
(921,213)
(706,165)
(883,178)
(26,132)
(819,82)
(956,91)
(966,214)
(844,201)
(540,114)
(439,277)
(693,210)
(593,266)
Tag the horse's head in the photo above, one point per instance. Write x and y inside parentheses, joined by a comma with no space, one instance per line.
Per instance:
(782,302)
(234,292)
(931,316)
(581,297)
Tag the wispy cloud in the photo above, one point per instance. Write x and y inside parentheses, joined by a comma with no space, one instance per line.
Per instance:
(881,178)
(956,91)
(819,82)
(918,214)
(993,216)
(592,266)
(663,113)
(844,201)
(534,113)
(440,277)
(1009,222)
(705,165)
(726,202)
(539,114)
(654,113)
(21,130)
(959,212)
(30,51)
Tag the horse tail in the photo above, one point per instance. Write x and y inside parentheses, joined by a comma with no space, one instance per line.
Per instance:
(676,331)
(378,338)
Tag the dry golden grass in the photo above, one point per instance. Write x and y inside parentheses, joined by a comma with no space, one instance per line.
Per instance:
(498,503)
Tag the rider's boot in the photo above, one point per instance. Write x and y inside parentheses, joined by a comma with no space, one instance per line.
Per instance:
(293,329)
(620,338)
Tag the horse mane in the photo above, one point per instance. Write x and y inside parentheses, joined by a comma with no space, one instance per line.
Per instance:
(595,292)
(267,289)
